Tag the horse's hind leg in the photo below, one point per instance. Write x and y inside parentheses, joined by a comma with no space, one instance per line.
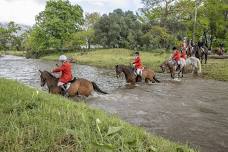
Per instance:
(205,58)
(146,80)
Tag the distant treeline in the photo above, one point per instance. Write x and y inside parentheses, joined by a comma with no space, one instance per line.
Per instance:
(159,24)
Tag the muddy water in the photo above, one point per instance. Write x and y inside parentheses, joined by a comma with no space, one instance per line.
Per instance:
(193,111)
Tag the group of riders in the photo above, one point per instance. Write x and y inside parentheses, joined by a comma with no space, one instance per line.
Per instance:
(66,67)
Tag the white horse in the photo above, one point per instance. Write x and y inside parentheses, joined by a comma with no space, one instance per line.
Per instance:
(195,63)
(191,61)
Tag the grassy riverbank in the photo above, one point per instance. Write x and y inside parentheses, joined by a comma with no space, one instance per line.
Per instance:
(15,53)
(36,121)
(216,69)
(108,58)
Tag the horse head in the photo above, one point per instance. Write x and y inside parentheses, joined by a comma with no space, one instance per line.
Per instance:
(119,70)
(163,66)
(46,77)
(42,78)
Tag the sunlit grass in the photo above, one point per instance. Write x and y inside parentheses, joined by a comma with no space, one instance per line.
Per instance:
(108,58)
(16,53)
(32,120)
(216,69)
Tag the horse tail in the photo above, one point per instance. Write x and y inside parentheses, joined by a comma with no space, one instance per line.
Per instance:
(96,88)
(199,66)
(156,79)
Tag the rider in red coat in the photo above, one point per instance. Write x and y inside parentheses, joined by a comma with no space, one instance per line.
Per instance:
(183,54)
(138,63)
(176,56)
(65,68)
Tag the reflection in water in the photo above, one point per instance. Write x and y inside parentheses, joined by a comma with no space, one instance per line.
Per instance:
(191,111)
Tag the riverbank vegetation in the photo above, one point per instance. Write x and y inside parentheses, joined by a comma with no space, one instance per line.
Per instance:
(216,69)
(37,121)
(108,58)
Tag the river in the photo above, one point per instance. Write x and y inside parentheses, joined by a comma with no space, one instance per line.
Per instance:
(193,110)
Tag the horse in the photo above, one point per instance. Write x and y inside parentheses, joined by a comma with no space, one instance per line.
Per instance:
(192,61)
(77,87)
(130,76)
(201,53)
(170,64)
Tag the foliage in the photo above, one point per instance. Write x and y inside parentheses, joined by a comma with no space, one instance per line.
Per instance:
(118,30)
(55,25)
(158,37)
(9,38)
(37,121)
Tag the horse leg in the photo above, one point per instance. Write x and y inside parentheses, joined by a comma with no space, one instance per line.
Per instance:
(172,74)
(146,80)
(205,58)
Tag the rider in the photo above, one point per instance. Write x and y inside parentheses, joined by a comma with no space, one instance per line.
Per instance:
(183,52)
(66,75)
(176,57)
(138,64)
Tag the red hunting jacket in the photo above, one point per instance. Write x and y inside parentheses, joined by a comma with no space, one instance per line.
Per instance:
(65,68)
(183,54)
(138,63)
(176,56)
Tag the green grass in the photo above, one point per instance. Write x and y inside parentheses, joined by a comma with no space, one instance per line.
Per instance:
(16,53)
(32,120)
(108,58)
(216,69)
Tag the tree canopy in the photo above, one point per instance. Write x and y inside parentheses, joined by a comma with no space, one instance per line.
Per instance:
(159,24)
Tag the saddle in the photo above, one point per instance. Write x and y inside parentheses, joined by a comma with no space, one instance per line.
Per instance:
(66,86)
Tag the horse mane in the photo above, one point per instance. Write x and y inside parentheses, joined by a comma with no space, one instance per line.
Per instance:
(125,67)
(50,74)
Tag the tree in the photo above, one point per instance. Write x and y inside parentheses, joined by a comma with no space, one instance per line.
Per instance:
(90,20)
(118,30)
(9,37)
(57,22)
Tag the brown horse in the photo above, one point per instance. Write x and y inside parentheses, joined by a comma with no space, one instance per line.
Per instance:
(78,87)
(171,68)
(130,76)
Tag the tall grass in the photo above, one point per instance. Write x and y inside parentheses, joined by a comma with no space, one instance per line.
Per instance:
(31,120)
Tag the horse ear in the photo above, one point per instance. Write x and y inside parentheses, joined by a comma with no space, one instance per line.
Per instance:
(40,71)
(116,66)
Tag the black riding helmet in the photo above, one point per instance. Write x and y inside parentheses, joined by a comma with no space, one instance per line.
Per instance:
(174,48)
(136,53)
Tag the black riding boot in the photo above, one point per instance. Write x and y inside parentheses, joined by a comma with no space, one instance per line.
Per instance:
(178,67)
(64,91)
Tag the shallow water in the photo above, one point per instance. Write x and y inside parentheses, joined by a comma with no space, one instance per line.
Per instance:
(191,110)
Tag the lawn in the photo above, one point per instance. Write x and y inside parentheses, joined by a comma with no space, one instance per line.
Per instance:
(32,120)
(16,53)
(216,69)
(108,58)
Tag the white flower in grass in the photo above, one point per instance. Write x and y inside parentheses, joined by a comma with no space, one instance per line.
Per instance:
(37,92)
(98,121)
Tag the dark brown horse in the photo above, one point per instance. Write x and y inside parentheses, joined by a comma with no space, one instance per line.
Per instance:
(130,76)
(81,87)
(201,53)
